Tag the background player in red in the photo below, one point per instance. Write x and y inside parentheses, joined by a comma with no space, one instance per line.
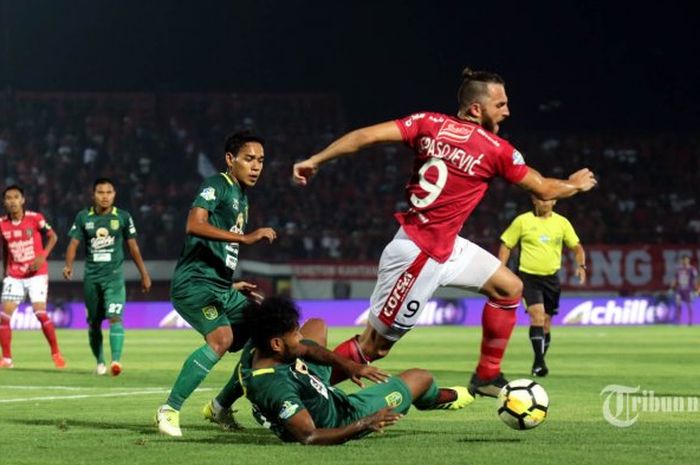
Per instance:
(685,285)
(26,270)
(455,160)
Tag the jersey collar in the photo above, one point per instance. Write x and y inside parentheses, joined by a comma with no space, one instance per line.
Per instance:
(112,212)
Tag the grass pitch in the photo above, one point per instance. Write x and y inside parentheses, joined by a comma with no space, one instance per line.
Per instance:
(75,417)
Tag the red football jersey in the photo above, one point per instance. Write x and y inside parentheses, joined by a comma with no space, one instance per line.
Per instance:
(23,243)
(454,162)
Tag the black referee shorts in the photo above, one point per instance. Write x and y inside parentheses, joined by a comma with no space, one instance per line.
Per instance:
(541,290)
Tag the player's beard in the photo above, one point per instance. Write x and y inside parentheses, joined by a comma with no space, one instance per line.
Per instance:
(489,124)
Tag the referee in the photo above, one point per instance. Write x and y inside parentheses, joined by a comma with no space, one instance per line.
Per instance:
(540,234)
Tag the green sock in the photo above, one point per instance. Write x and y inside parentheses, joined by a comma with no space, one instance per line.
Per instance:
(95,338)
(231,392)
(194,370)
(116,340)
(428,399)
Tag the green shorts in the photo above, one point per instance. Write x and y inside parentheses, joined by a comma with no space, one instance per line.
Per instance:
(206,308)
(104,299)
(368,401)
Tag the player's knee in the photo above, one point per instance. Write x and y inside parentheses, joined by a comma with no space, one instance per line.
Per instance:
(418,380)
(220,341)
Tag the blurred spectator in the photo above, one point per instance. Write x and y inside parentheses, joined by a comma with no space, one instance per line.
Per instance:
(158,147)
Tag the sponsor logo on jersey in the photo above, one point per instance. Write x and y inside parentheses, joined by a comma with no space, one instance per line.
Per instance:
(210,312)
(102,239)
(394,399)
(114,224)
(455,132)
(88,225)
(398,294)
(301,367)
(235,205)
(518,158)
(208,194)
(415,117)
(288,409)
(318,385)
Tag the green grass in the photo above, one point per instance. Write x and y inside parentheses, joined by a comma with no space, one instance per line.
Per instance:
(112,423)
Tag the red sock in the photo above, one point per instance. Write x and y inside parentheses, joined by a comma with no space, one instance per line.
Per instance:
(49,331)
(497,322)
(5,335)
(349,349)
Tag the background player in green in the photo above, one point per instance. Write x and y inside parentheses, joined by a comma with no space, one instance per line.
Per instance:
(103,228)
(293,397)
(201,289)
(541,234)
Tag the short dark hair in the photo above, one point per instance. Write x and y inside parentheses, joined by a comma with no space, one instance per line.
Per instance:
(13,187)
(236,141)
(271,318)
(474,86)
(99,181)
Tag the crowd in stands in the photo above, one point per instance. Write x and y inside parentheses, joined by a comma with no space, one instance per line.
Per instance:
(157,148)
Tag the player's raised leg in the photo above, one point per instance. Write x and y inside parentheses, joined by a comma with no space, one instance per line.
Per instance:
(504,290)
(210,321)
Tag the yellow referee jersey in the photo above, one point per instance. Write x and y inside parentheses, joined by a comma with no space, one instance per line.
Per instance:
(540,241)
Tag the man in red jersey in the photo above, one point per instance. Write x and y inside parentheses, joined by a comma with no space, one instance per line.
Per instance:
(455,160)
(26,270)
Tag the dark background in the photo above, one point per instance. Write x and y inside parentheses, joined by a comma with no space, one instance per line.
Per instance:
(585,66)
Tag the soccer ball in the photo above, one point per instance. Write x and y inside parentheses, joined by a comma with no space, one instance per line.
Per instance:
(523,404)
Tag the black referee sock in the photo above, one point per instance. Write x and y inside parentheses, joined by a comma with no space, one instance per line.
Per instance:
(538,343)
(547,339)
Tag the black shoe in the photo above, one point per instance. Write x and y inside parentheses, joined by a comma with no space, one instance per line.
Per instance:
(540,370)
(489,388)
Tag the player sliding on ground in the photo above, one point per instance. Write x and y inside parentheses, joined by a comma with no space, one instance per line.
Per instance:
(293,397)
(456,157)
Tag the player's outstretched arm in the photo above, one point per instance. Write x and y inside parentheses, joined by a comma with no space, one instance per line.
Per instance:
(198,225)
(349,143)
(354,371)
(71,250)
(140,265)
(302,427)
(552,188)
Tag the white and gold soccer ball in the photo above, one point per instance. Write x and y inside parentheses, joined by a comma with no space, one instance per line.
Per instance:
(523,404)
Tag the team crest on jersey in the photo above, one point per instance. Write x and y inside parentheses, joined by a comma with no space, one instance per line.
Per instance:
(518,158)
(210,312)
(208,194)
(114,224)
(455,132)
(394,399)
(288,409)
(28,232)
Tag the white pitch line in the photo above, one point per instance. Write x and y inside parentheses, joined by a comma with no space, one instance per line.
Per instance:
(87,396)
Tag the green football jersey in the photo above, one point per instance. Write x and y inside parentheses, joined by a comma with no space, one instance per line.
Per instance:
(207,260)
(103,236)
(279,393)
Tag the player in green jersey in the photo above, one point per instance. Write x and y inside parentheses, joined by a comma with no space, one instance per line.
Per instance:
(103,228)
(293,397)
(201,289)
